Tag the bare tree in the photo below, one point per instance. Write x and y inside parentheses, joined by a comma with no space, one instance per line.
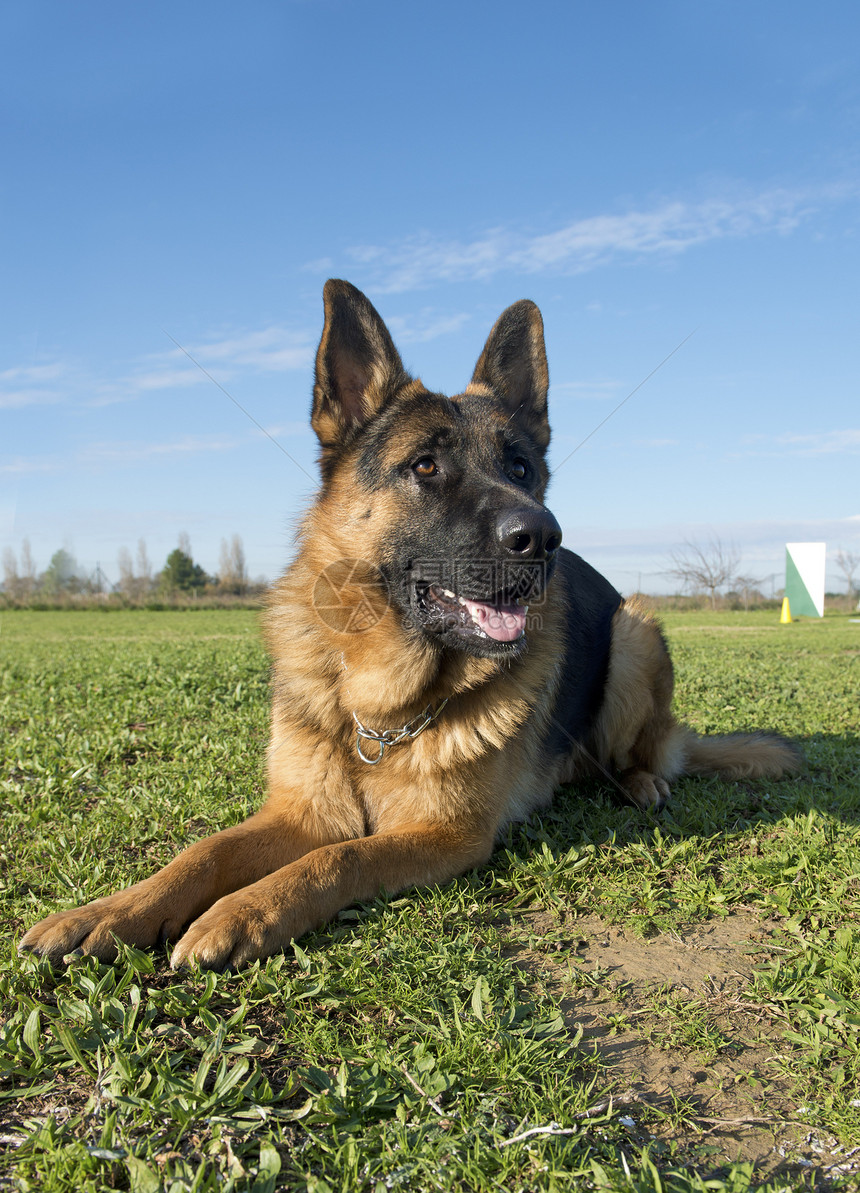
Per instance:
(224,569)
(233,571)
(747,588)
(184,543)
(127,583)
(144,570)
(705,569)
(237,559)
(28,570)
(848,563)
(11,579)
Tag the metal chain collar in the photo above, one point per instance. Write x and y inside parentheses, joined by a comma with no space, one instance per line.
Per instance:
(393,737)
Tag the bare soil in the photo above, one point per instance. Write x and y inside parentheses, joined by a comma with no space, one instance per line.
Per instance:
(702,1099)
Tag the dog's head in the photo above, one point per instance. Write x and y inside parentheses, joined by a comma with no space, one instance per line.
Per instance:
(443,495)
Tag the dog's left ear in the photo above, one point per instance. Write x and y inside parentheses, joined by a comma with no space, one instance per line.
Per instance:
(513,364)
(357,368)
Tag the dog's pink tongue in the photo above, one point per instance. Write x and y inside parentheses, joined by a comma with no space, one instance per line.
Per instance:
(504,623)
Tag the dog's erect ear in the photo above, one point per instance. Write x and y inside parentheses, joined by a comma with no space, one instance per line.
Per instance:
(513,363)
(357,367)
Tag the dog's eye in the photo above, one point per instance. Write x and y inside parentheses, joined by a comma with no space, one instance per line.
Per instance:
(519,470)
(426,466)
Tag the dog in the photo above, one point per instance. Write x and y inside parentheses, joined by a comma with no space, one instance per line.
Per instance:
(440,664)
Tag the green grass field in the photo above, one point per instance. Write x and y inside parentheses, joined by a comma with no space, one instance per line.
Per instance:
(615,1002)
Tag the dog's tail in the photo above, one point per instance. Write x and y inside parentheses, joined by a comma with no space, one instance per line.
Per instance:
(740,756)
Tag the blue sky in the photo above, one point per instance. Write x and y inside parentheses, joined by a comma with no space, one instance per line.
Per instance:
(643,172)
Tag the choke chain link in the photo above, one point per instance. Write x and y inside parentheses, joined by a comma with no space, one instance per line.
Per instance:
(393,737)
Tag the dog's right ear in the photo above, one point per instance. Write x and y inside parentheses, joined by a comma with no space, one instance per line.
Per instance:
(358,368)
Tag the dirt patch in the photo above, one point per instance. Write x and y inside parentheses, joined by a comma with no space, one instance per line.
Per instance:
(717,954)
(691,1062)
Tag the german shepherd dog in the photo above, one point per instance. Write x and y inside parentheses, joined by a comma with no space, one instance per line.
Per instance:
(418,706)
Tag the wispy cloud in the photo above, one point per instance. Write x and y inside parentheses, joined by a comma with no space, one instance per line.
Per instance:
(814,443)
(267,350)
(18,399)
(668,230)
(166,378)
(270,350)
(586,391)
(755,536)
(35,373)
(123,452)
(119,453)
(823,443)
(288,430)
(24,385)
(427,324)
(25,465)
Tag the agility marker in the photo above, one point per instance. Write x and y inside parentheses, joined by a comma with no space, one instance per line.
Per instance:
(785,615)
(804,578)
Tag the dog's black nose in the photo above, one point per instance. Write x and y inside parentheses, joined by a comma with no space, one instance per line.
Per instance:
(529,534)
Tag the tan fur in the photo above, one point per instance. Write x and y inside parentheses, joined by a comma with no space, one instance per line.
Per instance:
(636,733)
(433,810)
(333,829)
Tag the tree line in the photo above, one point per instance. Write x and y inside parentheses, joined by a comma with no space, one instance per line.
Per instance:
(711,570)
(137,583)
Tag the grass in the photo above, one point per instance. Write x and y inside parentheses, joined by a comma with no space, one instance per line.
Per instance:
(438,1040)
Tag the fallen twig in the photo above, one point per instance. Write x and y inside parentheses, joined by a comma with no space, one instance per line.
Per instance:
(624,1099)
(431,1101)
(554,1128)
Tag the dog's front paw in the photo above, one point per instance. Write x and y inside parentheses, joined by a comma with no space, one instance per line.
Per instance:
(233,932)
(65,931)
(95,928)
(649,792)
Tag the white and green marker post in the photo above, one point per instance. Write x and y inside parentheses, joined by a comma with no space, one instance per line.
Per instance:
(804,579)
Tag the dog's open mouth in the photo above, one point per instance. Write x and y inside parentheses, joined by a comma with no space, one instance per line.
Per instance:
(501,619)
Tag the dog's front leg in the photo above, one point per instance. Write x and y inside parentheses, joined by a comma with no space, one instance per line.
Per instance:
(160,907)
(262,919)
